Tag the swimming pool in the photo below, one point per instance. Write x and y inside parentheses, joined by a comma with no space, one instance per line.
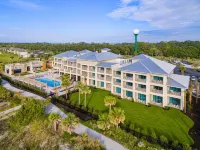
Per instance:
(50,82)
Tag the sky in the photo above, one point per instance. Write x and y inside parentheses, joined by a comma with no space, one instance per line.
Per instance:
(113,21)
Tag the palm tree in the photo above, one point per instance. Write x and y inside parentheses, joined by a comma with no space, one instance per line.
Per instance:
(109,101)
(116,116)
(103,123)
(190,90)
(68,123)
(65,82)
(185,101)
(85,90)
(54,119)
(183,69)
(79,86)
(197,92)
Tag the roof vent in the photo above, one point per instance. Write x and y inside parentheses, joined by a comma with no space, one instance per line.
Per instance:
(105,50)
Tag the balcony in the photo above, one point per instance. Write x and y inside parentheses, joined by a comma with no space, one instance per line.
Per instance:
(78,72)
(156,91)
(84,74)
(79,66)
(174,93)
(174,106)
(157,81)
(108,78)
(128,86)
(128,78)
(117,83)
(101,70)
(141,80)
(100,77)
(73,71)
(108,87)
(108,71)
(141,89)
(92,75)
(140,101)
(92,69)
(156,103)
(84,68)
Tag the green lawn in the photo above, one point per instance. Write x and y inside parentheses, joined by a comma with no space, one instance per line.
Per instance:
(5,57)
(171,123)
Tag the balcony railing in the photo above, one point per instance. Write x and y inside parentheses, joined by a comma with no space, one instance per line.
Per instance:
(155,103)
(100,78)
(141,89)
(108,71)
(141,80)
(140,101)
(84,68)
(157,81)
(117,75)
(128,86)
(174,93)
(91,69)
(84,74)
(91,76)
(174,106)
(117,83)
(157,91)
(128,78)
(79,66)
(100,71)
(73,71)
(108,87)
(78,72)
(108,79)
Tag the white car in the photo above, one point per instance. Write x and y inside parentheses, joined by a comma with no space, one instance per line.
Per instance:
(193,78)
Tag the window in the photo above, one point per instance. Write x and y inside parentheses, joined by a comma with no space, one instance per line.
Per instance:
(142,86)
(175,89)
(102,84)
(141,77)
(93,82)
(102,76)
(129,84)
(157,99)
(141,97)
(118,80)
(93,74)
(118,90)
(102,68)
(158,78)
(174,101)
(158,88)
(118,72)
(93,68)
(129,94)
(129,75)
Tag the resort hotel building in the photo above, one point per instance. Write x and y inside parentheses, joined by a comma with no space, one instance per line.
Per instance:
(143,78)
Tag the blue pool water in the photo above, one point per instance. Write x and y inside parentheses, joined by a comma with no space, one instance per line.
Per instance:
(49,82)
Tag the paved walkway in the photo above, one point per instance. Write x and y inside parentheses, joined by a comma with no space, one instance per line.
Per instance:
(108,143)
(23,93)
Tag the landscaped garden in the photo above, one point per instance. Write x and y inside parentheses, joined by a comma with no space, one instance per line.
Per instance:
(152,120)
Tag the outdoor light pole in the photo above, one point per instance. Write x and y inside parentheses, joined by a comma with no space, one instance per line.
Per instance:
(135,32)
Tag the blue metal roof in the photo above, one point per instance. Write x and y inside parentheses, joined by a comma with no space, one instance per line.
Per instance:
(85,51)
(135,67)
(179,81)
(106,64)
(94,56)
(70,53)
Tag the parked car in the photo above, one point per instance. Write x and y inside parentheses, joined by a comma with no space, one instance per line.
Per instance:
(193,78)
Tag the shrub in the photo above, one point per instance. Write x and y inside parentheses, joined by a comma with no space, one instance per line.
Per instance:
(166,108)
(148,105)
(175,143)
(186,147)
(163,139)
(154,137)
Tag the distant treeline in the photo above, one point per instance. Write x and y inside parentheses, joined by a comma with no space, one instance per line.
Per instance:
(186,49)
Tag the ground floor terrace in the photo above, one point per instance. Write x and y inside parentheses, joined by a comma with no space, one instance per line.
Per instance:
(171,123)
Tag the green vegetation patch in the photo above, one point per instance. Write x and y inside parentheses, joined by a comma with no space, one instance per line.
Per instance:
(171,123)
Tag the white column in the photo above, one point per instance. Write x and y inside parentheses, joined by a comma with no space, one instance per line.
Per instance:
(165,90)
(182,99)
(148,88)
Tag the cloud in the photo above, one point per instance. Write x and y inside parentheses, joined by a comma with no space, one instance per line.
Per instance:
(126,2)
(25,4)
(160,13)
